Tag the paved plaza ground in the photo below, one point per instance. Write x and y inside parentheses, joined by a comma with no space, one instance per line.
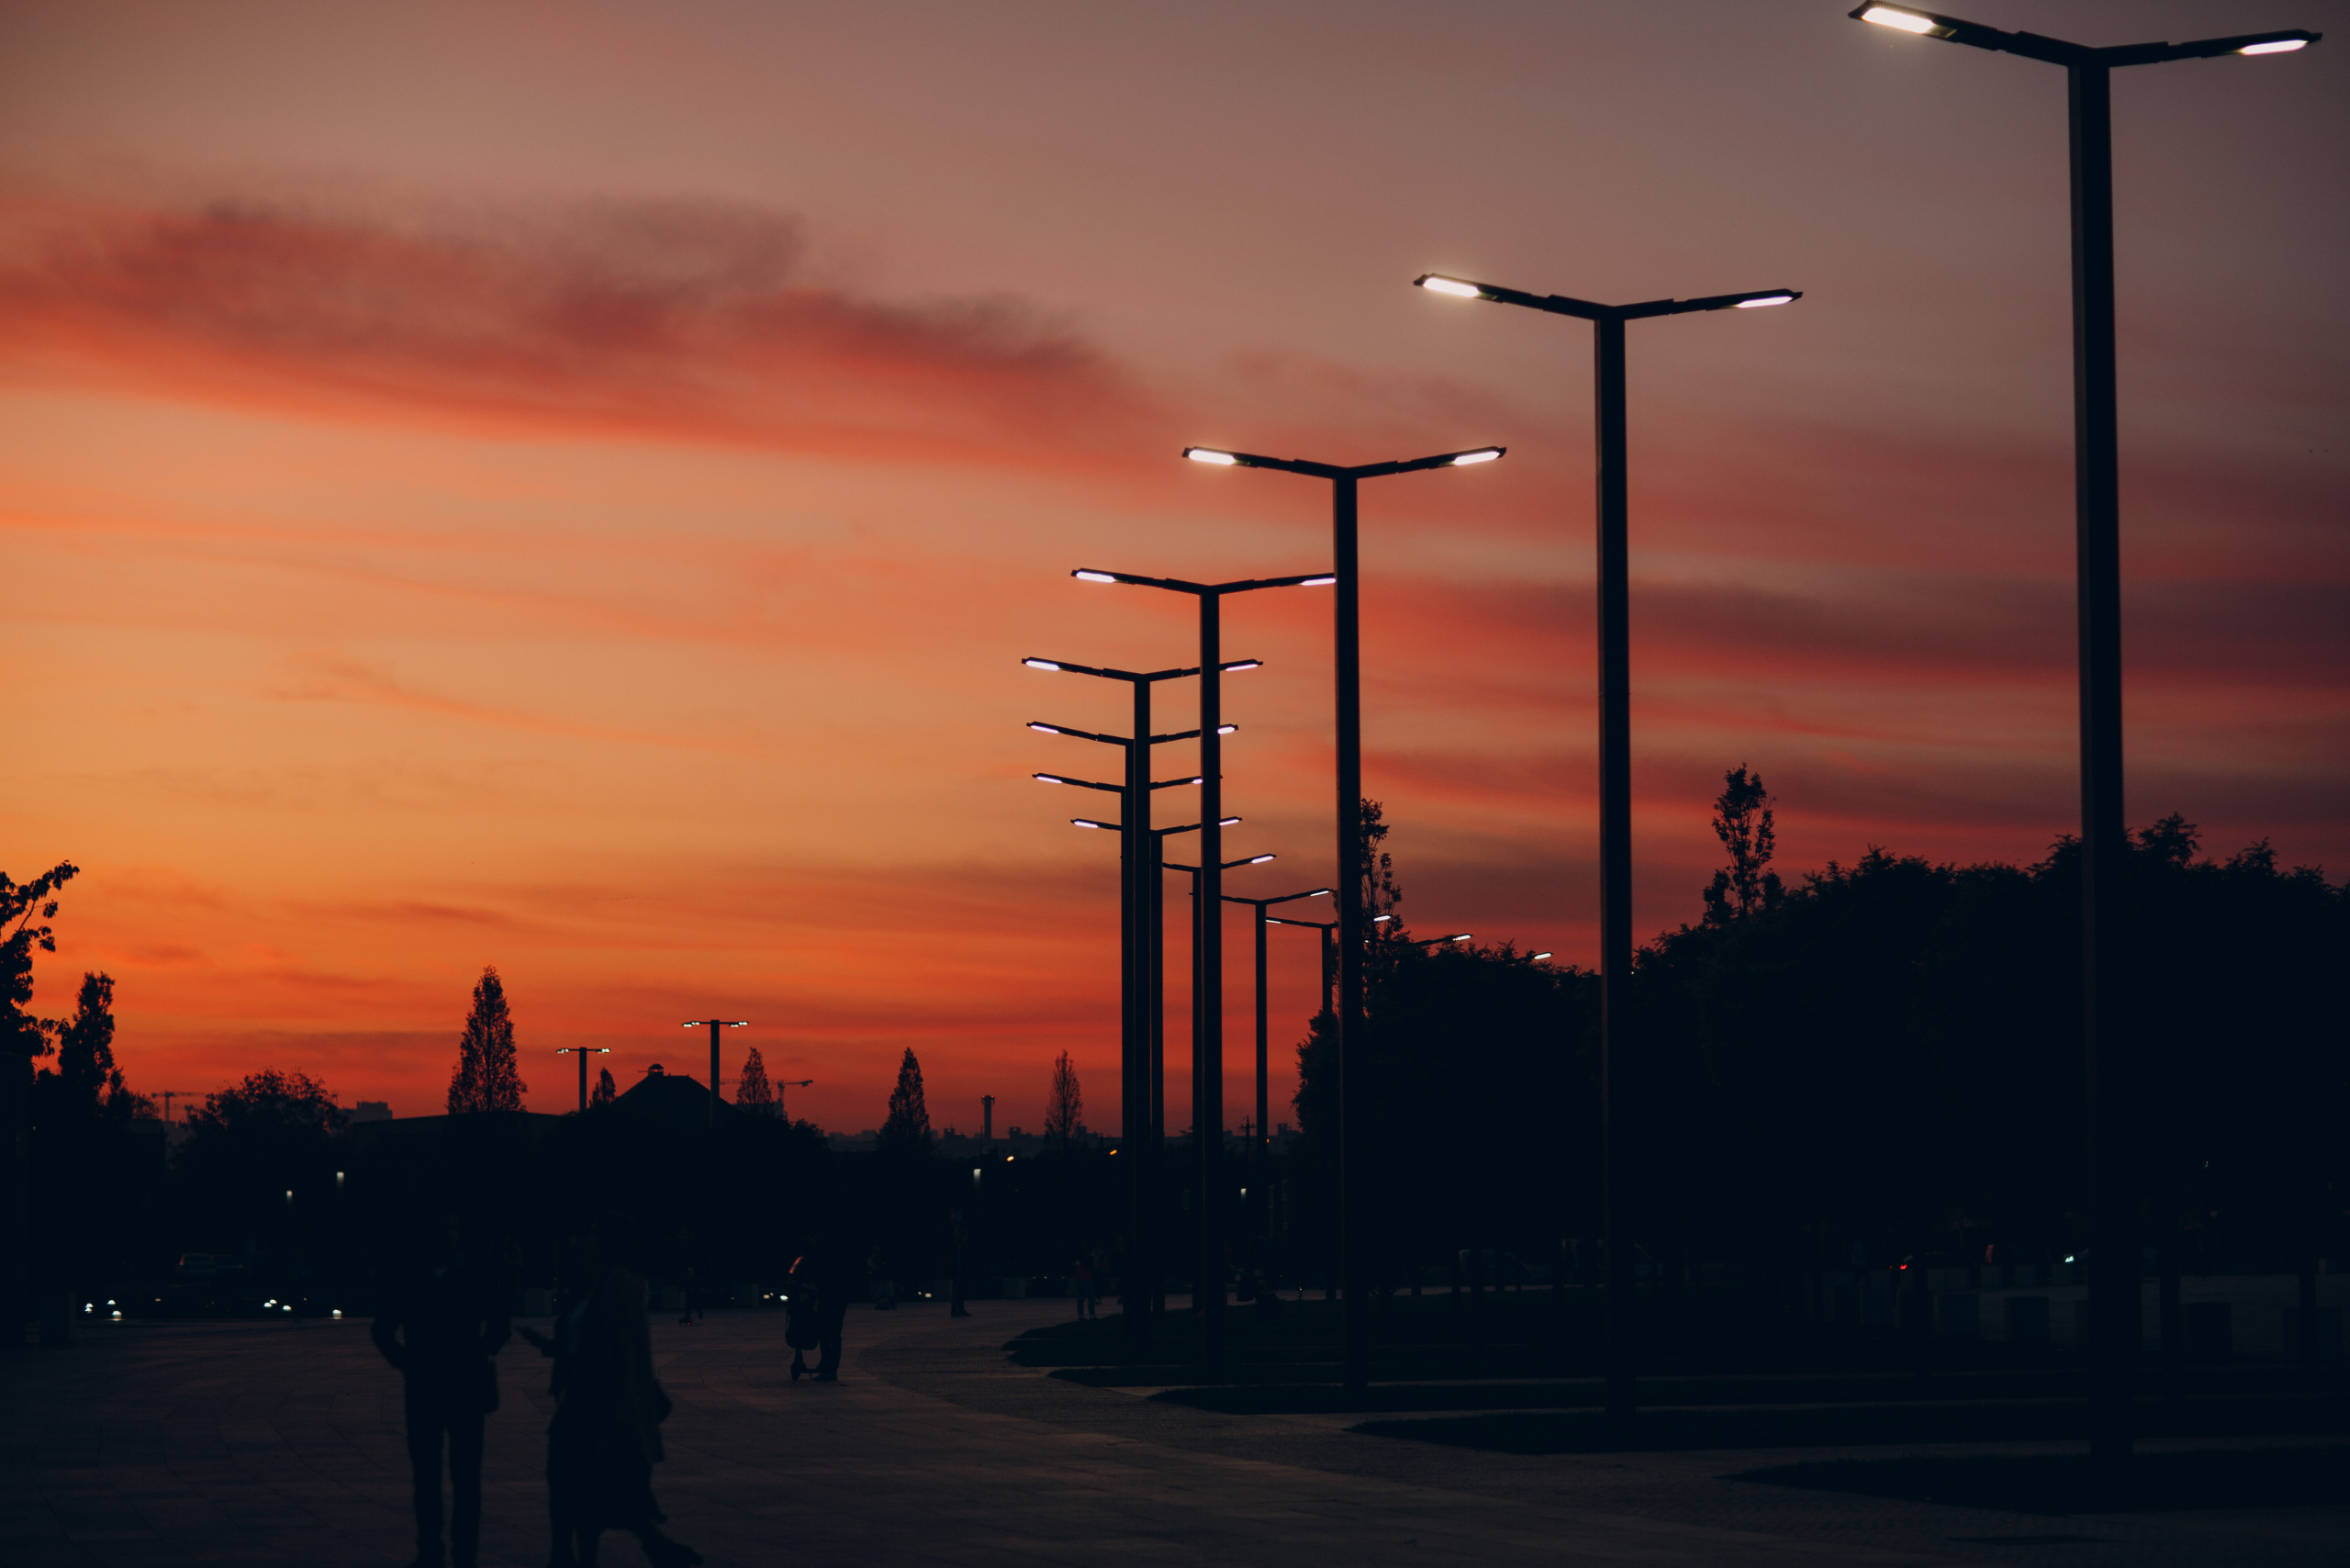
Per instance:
(279,1443)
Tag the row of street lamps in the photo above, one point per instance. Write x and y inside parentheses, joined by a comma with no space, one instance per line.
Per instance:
(2113,1283)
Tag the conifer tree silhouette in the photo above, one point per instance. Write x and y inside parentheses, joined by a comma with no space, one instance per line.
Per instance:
(907,1128)
(753,1092)
(1065,1108)
(488,1075)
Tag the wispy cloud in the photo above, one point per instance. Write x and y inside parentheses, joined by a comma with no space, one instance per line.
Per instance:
(675,318)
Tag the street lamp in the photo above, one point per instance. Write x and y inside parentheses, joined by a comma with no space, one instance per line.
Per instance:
(1264,1102)
(1210,598)
(1139,1075)
(1615,740)
(1329,930)
(715,1025)
(1348,1017)
(583,1053)
(1199,1034)
(2114,1309)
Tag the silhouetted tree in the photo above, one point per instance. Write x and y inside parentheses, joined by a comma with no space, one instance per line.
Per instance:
(909,1202)
(605,1092)
(1743,822)
(1374,867)
(753,1092)
(1065,1107)
(488,1077)
(89,1183)
(86,1073)
(906,1130)
(247,1147)
(22,1040)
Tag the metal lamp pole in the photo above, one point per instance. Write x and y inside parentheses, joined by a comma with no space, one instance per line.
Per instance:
(2114,1308)
(1264,1102)
(583,1053)
(1348,682)
(1615,751)
(1200,1095)
(1155,962)
(1330,929)
(1134,831)
(715,1025)
(1209,1113)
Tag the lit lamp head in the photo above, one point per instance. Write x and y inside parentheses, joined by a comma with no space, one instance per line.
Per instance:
(1451,285)
(1210,456)
(1901,18)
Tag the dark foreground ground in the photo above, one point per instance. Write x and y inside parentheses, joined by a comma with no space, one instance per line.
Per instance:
(280,1443)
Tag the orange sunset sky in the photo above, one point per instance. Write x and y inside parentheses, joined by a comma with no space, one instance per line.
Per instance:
(569,486)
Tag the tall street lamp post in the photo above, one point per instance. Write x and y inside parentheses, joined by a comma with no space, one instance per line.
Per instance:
(1209,1116)
(1328,928)
(1153,940)
(583,1053)
(1150,958)
(1615,750)
(1264,1102)
(714,1025)
(2114,1308)
(1133,831)
(1199,1057)
(1344,481)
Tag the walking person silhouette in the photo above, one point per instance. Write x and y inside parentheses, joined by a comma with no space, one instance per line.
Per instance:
(442,1322)
(606,1435)
(803,1312)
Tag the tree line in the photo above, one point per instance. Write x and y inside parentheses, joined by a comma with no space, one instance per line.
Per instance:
(1882,1059)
